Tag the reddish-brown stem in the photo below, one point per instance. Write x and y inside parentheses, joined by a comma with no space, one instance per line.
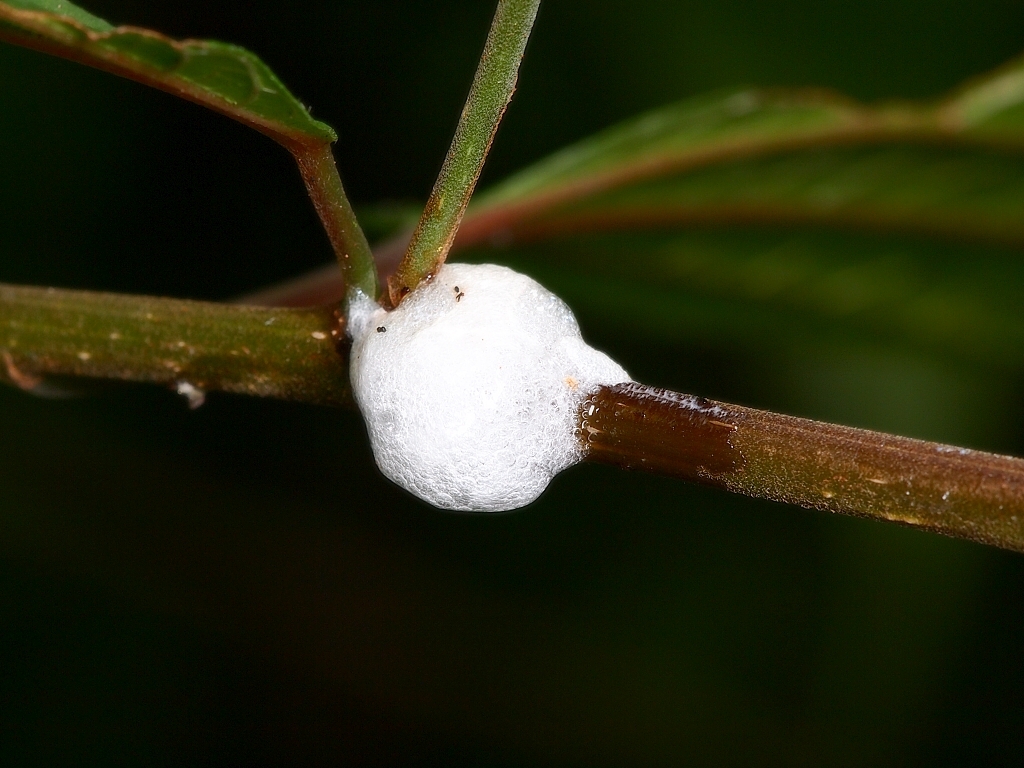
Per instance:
(320,174)
(954,491)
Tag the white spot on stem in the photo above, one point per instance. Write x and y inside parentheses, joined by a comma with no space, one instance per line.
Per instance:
(195,396)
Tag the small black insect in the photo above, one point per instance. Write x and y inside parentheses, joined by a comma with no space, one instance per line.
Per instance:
(381,329)
(458,294)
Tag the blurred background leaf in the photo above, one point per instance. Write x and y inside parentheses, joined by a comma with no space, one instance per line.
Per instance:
(238,585)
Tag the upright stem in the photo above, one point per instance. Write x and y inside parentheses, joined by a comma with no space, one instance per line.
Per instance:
(320,173)
(492,89)
(955,491)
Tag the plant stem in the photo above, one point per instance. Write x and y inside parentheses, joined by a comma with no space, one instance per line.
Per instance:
(954,491)
(320,174)
(492,89)
(292,354)
(196,346)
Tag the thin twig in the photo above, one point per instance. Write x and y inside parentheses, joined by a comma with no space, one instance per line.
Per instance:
(954,491)
(492,89)
(320,174)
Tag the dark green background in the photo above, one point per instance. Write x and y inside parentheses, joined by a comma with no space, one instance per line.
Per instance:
(237,585)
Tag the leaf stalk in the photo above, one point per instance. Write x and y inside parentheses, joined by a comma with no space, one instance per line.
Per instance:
(323,183)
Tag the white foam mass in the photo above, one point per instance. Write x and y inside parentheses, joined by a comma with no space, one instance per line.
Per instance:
(471,388)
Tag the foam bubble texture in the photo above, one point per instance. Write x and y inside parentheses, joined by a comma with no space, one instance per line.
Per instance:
(471,388)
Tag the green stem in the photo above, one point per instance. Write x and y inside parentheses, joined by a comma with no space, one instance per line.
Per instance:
(492,89)
(284,353)
(320,173)
(954,491)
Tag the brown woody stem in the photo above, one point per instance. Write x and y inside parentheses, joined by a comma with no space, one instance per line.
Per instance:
(954,491)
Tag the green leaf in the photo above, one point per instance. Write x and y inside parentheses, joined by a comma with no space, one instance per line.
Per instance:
(222,77)
(763,219)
